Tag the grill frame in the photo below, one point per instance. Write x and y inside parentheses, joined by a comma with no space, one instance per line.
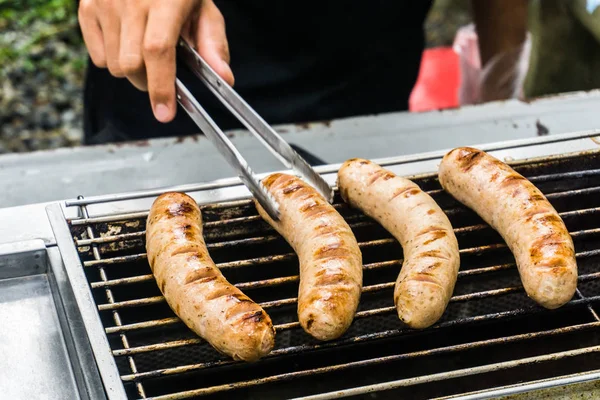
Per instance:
(59,219)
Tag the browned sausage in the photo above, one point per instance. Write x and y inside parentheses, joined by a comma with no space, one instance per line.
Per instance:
(330,260)
(194,287)
(530,226)
(431,259)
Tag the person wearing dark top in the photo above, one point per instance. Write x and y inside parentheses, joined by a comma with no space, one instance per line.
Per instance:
(292,61)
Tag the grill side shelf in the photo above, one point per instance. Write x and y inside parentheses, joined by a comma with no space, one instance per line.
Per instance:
(98,340)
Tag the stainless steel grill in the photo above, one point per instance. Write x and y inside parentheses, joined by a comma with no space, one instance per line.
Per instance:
(491,335)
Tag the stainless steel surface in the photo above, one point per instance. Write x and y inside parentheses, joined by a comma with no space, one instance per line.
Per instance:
(76,338)
(45,176)
(29,322)
(85,304)
(37,357)
(490,328)
(227,149)
(253,122)
(22,259)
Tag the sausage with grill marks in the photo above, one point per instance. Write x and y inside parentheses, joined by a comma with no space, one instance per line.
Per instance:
(194,287)
(431,260)
(329,256)
(521,214)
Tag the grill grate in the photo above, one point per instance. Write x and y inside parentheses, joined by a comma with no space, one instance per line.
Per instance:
(489,328)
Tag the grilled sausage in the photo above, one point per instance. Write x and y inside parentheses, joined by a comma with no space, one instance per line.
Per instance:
(329,256)
(522,215)
(431,259)
(194,287)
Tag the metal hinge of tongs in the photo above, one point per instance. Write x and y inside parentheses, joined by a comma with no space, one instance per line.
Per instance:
(255,124)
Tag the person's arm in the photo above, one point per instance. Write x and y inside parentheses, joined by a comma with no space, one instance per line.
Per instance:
(501,27)
(136,39)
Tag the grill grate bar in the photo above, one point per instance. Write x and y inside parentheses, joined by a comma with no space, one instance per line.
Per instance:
(110,299)
(380,360)
(589,306)
(245,202)
(296,324)
(279,257)
(159,299)
(435,351)
(371,266)
(370,243)
(435,377)
(269,238)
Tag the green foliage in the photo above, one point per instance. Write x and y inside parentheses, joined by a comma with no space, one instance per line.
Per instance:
(25,25)
(24,12)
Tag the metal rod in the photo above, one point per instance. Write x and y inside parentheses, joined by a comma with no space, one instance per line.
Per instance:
(565,175)
(109,239)
(331,169)
(460,208)
(111,300)
(109,218)
(435,377)
(275,281)
(295,324)
(381,386)
(131,303)
(303,348)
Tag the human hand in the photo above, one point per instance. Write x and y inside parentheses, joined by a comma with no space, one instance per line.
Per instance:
(136,39)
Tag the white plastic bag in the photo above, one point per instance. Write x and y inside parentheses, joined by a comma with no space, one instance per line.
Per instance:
(503,76)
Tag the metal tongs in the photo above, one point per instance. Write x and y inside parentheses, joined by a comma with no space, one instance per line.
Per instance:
(255,124)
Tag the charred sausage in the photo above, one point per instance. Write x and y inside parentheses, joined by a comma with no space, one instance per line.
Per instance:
(194,287)
(329,256)
(431,259)
(521,214)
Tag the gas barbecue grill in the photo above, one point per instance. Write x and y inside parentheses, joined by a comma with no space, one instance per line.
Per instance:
(115,337)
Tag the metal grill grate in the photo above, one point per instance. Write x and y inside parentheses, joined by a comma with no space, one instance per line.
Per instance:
(489,328)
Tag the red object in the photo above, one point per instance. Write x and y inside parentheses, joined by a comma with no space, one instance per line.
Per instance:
(438,82)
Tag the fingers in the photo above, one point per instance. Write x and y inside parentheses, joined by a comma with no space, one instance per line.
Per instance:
(92,33)
(136,39)
(110,22)
(211,40)
(162,33)
(131,59)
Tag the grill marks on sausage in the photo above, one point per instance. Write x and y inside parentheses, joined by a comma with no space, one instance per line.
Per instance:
(269,180)
(468,157)
(436,235)
(424,277)
(514,180)
(201,275)
(551,250)
(385,175)
(405,191)
(324,278)
(256,316)
(187,232)
(291,189)
(432,253)
(180,209)
(332,250)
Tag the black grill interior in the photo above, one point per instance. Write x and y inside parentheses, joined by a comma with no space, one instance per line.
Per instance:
(490,305)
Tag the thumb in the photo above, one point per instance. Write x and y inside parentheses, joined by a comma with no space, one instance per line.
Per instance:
(211,40)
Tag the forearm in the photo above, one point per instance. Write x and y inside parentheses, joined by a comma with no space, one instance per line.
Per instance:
(501,26)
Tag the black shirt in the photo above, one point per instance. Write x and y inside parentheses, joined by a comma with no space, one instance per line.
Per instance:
(293,61)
